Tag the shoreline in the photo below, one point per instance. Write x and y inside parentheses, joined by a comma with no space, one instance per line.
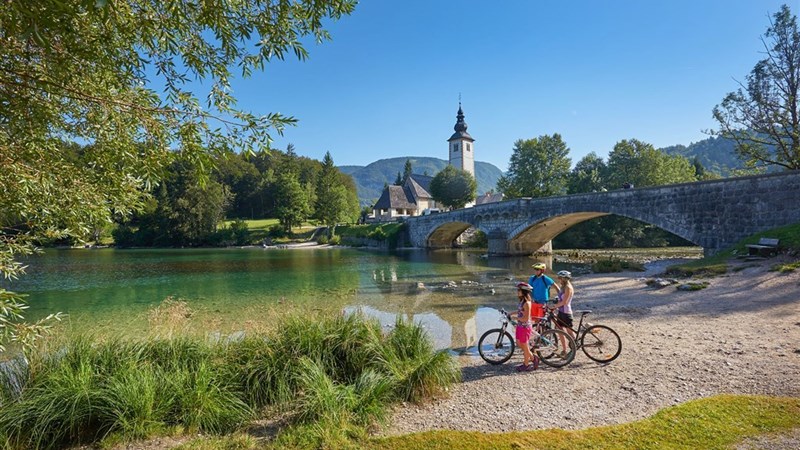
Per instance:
(677,346)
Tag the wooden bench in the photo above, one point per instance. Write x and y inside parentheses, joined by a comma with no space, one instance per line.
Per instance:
(765,247)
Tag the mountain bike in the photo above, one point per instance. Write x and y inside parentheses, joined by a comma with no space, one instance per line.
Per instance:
(599,342)
(496,346)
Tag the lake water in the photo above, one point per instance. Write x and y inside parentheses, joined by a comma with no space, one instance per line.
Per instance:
(233,289)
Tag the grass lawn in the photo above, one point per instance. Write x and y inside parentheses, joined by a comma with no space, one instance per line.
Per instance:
(710,423)
(259,229)
(717,422)
(789,237)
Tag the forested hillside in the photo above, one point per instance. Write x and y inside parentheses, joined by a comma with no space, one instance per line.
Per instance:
(717,155)
(371,179)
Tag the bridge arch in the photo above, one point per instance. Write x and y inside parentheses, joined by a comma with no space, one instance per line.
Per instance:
(445,235)
(538,234)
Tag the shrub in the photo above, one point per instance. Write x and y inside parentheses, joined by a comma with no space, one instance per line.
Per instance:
(335,240)
(240,232)
(378,234)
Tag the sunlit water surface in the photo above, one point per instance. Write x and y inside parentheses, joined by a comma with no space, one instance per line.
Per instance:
(229,290)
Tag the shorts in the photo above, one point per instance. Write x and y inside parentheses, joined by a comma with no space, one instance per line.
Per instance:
(523,333)
(537,311)
(565,319)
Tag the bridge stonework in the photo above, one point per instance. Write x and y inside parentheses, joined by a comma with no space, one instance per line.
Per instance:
(711,214)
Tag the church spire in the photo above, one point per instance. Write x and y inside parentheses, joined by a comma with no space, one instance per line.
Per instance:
(460,126)
(461,151)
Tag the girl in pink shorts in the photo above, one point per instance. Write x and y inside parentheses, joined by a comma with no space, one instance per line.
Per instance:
(524,326)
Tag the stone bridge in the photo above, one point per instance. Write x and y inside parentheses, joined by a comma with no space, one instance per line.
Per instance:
(711,214)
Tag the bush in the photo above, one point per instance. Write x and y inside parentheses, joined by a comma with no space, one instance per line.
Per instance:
(240,232)
(335,240)
(277,231)
(378,234)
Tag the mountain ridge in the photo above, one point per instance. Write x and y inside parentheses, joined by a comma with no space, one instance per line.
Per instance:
(370,179)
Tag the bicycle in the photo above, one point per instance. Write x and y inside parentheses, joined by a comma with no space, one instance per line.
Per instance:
(599,342)
(496,346)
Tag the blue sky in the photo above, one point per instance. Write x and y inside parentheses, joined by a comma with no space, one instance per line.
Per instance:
(596,72)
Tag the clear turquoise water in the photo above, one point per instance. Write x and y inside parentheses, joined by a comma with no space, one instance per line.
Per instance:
(116,288)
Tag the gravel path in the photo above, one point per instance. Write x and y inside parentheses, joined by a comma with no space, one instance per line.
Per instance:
(740,335)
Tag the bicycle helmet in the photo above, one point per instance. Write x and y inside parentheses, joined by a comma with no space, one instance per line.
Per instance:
(564,274)
(539,266)
(524,286)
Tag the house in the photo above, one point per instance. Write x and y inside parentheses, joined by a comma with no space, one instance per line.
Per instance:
(489,197)
(410,199)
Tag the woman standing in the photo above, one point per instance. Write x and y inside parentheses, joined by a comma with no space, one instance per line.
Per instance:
(564,306)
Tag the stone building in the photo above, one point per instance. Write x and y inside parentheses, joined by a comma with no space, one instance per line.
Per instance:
(413,198)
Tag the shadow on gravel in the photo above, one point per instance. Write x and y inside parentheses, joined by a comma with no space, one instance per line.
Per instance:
(478,372)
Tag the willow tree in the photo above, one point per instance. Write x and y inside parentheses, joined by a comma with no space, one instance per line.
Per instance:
(120,78)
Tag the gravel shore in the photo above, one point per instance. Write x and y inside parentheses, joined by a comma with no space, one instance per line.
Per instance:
(740,335)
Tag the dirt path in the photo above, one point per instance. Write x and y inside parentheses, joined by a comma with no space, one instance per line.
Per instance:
(740,335)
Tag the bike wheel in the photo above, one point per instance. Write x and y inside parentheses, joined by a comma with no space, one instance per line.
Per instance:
(601,343)
(548,347)
(496,346)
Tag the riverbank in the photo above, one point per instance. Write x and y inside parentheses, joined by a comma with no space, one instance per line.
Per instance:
(740,335)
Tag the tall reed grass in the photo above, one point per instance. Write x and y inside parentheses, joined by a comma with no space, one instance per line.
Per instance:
(330,376)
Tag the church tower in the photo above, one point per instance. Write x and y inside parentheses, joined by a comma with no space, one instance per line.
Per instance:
(462,153)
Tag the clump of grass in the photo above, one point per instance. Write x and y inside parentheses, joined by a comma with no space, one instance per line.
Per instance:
(785,268)
(692,286)
(694,269)
(170,316)
(610,265)
(332,376)
(419,372)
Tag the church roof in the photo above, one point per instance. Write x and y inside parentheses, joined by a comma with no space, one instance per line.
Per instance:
(460,127)
(396,197)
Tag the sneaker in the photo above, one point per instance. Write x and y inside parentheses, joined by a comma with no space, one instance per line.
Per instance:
(523,368)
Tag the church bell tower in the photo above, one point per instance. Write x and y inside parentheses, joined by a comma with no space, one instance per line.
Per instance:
(462,152)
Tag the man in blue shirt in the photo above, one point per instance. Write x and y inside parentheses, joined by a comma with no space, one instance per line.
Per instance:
(541,289)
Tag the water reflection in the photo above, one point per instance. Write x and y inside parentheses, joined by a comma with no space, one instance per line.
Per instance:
(441,332)
(446,290)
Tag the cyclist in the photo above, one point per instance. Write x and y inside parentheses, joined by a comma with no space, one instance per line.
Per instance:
(564,306)
(524,327)
(541,284)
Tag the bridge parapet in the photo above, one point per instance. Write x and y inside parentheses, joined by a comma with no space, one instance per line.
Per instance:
(712,214)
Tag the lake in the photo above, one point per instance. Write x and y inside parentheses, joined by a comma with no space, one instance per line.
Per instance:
(235,289)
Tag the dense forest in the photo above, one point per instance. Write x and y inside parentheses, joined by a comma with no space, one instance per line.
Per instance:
(188,207)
